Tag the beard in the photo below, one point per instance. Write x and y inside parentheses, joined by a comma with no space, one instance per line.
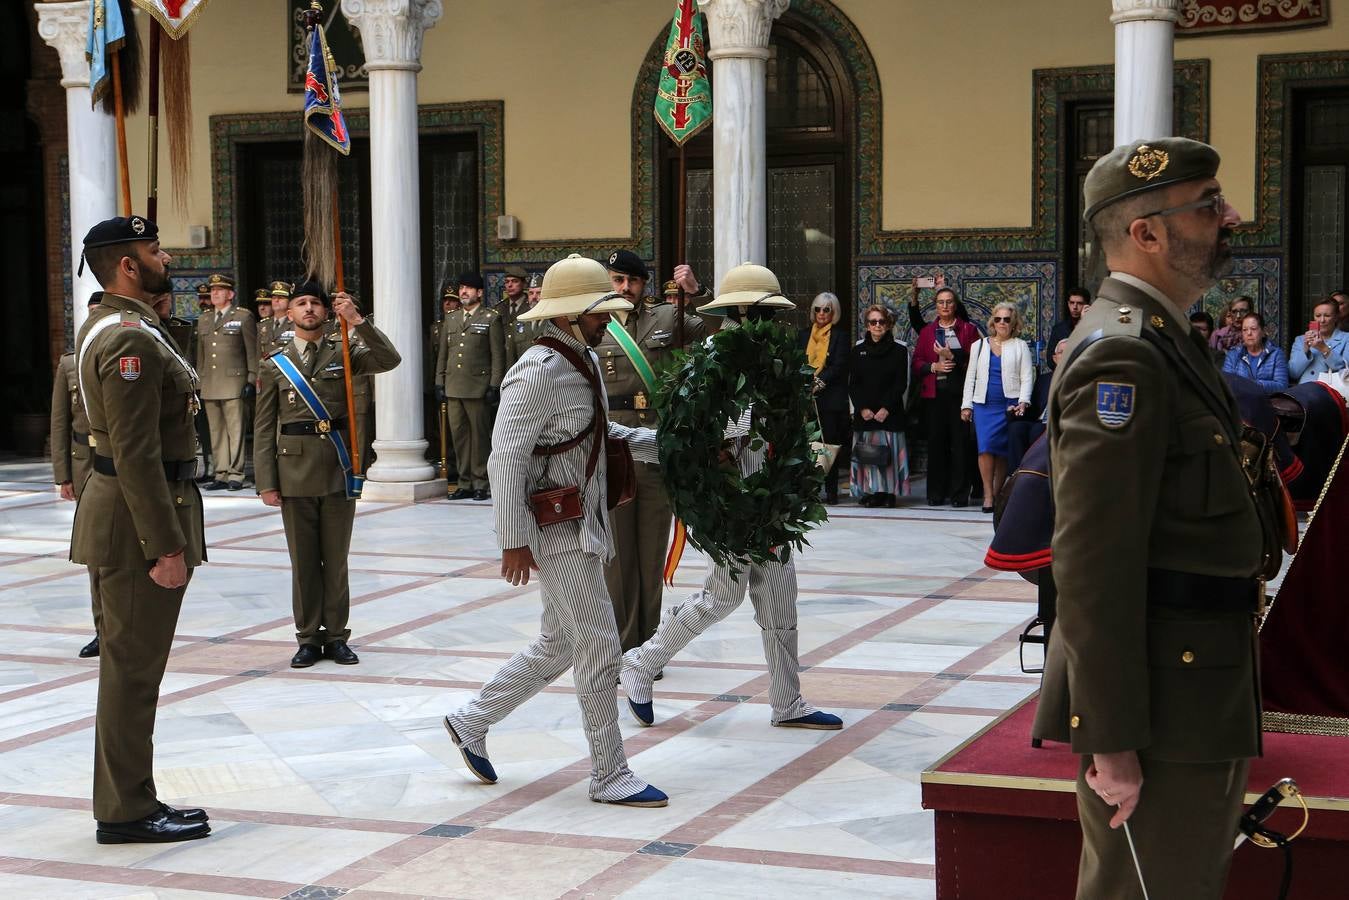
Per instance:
(1202,262)
(156,282)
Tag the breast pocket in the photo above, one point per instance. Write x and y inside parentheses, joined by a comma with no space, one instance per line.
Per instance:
(1202,471)
(289,445)
(659,340)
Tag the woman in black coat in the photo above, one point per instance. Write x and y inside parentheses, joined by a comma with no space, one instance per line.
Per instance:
(826,345)
(878,378)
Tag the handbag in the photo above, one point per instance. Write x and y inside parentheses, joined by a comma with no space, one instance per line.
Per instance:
(868,454)
(620,472)
(825,454)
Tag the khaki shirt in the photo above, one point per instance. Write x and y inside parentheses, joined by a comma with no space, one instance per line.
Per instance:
(140,399)
(473,353)
(1145,475)
(306,465)
(652,326)
(227,352)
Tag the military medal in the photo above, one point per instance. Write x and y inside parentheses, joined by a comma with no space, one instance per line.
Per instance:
(290,396)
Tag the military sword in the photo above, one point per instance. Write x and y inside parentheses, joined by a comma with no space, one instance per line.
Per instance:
(1133,851)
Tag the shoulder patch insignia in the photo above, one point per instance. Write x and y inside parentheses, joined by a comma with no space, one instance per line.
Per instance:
(1114,403)
(129,367)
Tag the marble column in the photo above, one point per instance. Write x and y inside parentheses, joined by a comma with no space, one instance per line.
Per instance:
(738,48)
(91,140)
(391,31)
(1144,63)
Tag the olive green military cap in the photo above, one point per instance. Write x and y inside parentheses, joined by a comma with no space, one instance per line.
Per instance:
(262,296)
(218,280)
(1132,169)
(516,272)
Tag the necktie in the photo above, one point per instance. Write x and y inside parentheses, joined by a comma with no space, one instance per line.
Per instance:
(308,357)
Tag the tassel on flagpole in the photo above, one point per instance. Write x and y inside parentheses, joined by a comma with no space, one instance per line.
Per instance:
(176,60)
(318,174)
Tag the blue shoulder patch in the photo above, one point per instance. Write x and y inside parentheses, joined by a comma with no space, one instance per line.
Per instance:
(1114,403)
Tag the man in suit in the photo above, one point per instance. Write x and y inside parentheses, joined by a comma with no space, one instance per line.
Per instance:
(138,521)
(1158,546)
(642,527)
(227,358)
(297,464)
(468,378)
(547,403)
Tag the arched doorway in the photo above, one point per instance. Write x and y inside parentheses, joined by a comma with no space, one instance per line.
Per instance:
(810,153)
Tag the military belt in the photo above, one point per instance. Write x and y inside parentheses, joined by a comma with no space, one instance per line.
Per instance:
(1169,589)
(314,427)
(174,470)
(638,401)
(80,438)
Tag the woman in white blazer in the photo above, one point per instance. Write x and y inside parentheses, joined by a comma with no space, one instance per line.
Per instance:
(994,392)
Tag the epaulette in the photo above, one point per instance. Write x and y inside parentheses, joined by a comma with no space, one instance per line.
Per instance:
(277,351)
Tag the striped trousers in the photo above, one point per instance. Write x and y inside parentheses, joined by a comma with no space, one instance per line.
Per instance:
(578,632)
(772,590)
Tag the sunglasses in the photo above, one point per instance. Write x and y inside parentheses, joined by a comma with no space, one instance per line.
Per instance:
(875,321)
(820,309)
(1002,318)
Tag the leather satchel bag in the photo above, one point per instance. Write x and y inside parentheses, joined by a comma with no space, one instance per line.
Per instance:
(621,472)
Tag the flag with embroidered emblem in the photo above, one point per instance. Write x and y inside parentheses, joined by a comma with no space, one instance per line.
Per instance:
(107,35)
(322,101)
(176,16)
(684,94)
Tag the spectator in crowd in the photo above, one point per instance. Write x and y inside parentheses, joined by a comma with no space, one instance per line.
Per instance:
(940,357)
(1323,348)
(1202,322)
(1256,358)
(826,346)
(1022,431)
(1229,336)
(878,378)
(998,385)
(916,320)
(1341,299)
(1079,298)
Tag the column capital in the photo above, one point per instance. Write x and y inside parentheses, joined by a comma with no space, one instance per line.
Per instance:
(740,27)
(391,30)
(1145,11)
(65,27)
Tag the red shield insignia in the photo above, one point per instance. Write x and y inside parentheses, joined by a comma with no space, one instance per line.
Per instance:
(129,367)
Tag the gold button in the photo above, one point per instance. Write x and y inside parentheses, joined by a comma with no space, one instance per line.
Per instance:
(142,540)
(178,500)
(1219,440)
(283,451)
(1187,656)
(1075,721)
(1125,310)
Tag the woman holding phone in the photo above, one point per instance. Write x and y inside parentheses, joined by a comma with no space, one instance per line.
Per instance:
(1323,348)
(940,356)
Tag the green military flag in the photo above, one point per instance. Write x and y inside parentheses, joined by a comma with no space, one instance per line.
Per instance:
(684,95)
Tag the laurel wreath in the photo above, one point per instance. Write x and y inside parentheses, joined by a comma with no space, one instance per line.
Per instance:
(732,518)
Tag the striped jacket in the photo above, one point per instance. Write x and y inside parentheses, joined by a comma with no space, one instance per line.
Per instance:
(546,401)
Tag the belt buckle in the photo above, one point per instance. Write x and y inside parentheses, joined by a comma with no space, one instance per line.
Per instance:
(639,400)
(323,426)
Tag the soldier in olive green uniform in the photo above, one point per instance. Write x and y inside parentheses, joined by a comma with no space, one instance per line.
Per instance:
(297,466)
(282,330)
(520,335)
(262,299)
(227,358)
(642,527)
(469,370)
(1158,545)
(138,522)
(72,459)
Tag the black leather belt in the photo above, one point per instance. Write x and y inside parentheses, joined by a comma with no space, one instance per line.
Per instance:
(1203,593)
(81,439)
(323,427)
(638,401)
(174,470)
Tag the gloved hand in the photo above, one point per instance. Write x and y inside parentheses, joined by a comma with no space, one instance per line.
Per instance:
(248,392)
(440,393)
(493,396)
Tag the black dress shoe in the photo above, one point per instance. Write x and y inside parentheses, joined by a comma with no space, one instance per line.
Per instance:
(204,479)
(958,502)
(186,814)
(235,486)
(156,828)
(462,494)
(89,649)
(306,656)
(216,486)
(340,653)
(481,494)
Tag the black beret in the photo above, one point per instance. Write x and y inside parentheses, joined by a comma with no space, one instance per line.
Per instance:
(627,263)
(311,288)
(469,279)
(120,230)
(1132,169)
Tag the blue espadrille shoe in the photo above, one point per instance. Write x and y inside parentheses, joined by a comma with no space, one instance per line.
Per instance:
(821,721)
(648,796)
(480,766)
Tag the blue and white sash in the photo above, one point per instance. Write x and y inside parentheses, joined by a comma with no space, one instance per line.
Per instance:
(323,422)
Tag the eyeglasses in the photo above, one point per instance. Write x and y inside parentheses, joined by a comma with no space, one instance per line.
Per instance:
(1215,203)
(820,309)
(875,321)
(1002,318)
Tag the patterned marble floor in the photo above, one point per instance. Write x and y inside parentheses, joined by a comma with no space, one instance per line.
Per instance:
(339,781)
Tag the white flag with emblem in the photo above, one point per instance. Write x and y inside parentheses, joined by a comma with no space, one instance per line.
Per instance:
(177,16)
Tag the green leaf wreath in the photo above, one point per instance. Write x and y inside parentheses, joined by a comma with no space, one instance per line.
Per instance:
(731,517)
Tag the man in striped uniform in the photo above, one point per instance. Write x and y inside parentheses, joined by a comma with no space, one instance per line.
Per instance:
(546,401)
(751,293)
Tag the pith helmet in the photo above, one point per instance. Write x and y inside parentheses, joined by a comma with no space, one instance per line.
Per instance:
(748,285)
(572,287)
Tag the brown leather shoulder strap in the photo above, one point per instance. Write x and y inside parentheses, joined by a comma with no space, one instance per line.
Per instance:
(596,426)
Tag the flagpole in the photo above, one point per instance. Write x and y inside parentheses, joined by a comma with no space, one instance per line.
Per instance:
(681,205)
(346,344)
(152,176)
(119,113)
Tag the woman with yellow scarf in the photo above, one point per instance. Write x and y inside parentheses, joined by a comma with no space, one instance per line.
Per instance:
(826,343)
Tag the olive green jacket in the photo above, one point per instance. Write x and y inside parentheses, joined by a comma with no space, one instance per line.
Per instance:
(227,353)
(70,458)
(305,465)
(652,326)
(140,398)
(472,354)
(1162,489)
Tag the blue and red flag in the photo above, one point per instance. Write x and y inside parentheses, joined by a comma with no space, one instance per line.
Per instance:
(107,34)
(322,102)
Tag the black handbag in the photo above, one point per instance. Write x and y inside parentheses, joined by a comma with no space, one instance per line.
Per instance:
(868,454)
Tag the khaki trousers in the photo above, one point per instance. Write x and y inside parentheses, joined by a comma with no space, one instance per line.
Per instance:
(226,421)
(641,531)
(318,535)
(471,431)
(135,629)
(1183,828)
